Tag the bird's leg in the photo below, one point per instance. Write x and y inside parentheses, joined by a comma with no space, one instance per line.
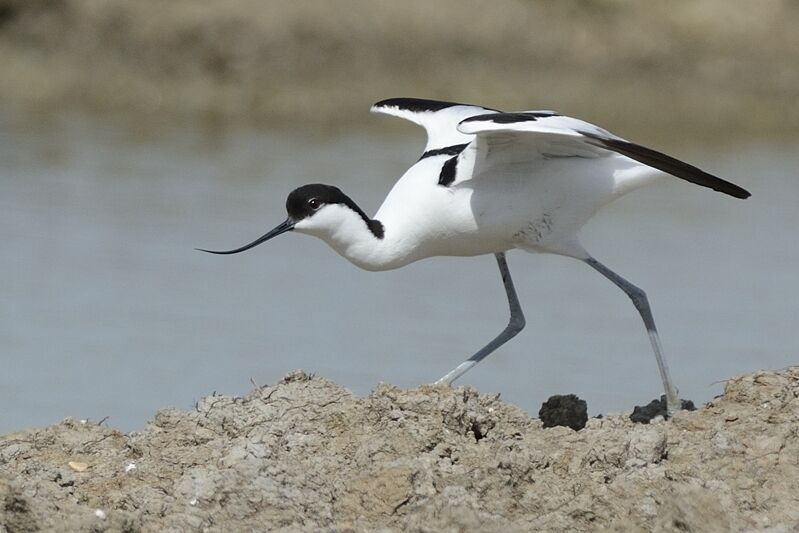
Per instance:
(642,305)
(515,325)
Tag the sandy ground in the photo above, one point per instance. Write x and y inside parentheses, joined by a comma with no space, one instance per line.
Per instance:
(307,455)
(705,68)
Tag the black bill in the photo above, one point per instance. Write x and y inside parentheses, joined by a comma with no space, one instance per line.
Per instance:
(287,225)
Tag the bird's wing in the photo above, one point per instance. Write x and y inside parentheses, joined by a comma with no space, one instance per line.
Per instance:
(507,138)
(439,119)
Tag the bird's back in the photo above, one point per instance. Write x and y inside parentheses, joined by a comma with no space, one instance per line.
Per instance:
(538,205)
(489,181)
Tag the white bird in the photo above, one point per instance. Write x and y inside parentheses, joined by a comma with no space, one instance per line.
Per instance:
(489,182)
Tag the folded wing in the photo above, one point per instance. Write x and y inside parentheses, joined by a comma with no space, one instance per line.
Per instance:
(512,138)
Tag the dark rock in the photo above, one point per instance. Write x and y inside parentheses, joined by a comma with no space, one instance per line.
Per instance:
(564,410)
(645,414)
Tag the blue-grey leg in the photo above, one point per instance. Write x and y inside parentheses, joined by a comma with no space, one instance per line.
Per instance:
(515,325)
(641,303)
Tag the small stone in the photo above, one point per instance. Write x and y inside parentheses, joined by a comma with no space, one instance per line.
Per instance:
(296,375)
(564,410)
(78,466)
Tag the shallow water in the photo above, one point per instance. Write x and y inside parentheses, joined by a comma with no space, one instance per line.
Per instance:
(107,310)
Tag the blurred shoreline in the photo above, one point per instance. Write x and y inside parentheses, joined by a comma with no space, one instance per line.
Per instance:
(709,70)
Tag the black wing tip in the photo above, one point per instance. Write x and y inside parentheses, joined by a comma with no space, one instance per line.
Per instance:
(730,189)
(417,105)
(738,192)
(668,164)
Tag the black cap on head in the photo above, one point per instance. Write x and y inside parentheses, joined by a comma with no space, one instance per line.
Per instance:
(306,200)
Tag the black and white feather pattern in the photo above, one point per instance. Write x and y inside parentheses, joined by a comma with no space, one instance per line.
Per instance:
(460,130)
(550,134)
(439,119)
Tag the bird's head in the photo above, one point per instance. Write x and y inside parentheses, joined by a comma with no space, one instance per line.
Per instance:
(322,211)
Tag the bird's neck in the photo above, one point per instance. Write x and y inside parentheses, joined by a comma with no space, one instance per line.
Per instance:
(365,242)
(369,245)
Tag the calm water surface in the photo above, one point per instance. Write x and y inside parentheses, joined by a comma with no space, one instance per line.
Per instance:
(107,310)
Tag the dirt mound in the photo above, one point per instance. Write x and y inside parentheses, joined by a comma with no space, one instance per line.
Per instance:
(306,454)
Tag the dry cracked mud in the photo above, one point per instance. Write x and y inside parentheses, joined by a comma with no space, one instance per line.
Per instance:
(308,455)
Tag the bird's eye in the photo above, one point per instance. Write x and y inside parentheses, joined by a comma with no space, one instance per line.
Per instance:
(314,203)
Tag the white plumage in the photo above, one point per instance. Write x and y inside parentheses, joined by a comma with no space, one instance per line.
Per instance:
(489,182)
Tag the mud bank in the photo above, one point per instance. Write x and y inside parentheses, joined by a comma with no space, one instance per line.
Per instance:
(306,454)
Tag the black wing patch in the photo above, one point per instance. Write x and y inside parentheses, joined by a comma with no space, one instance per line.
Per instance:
(418,105)
(455,149)
(667,164)
(448,171)
(511,118)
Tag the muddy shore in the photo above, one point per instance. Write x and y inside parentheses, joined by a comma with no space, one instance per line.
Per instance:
(307,455)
